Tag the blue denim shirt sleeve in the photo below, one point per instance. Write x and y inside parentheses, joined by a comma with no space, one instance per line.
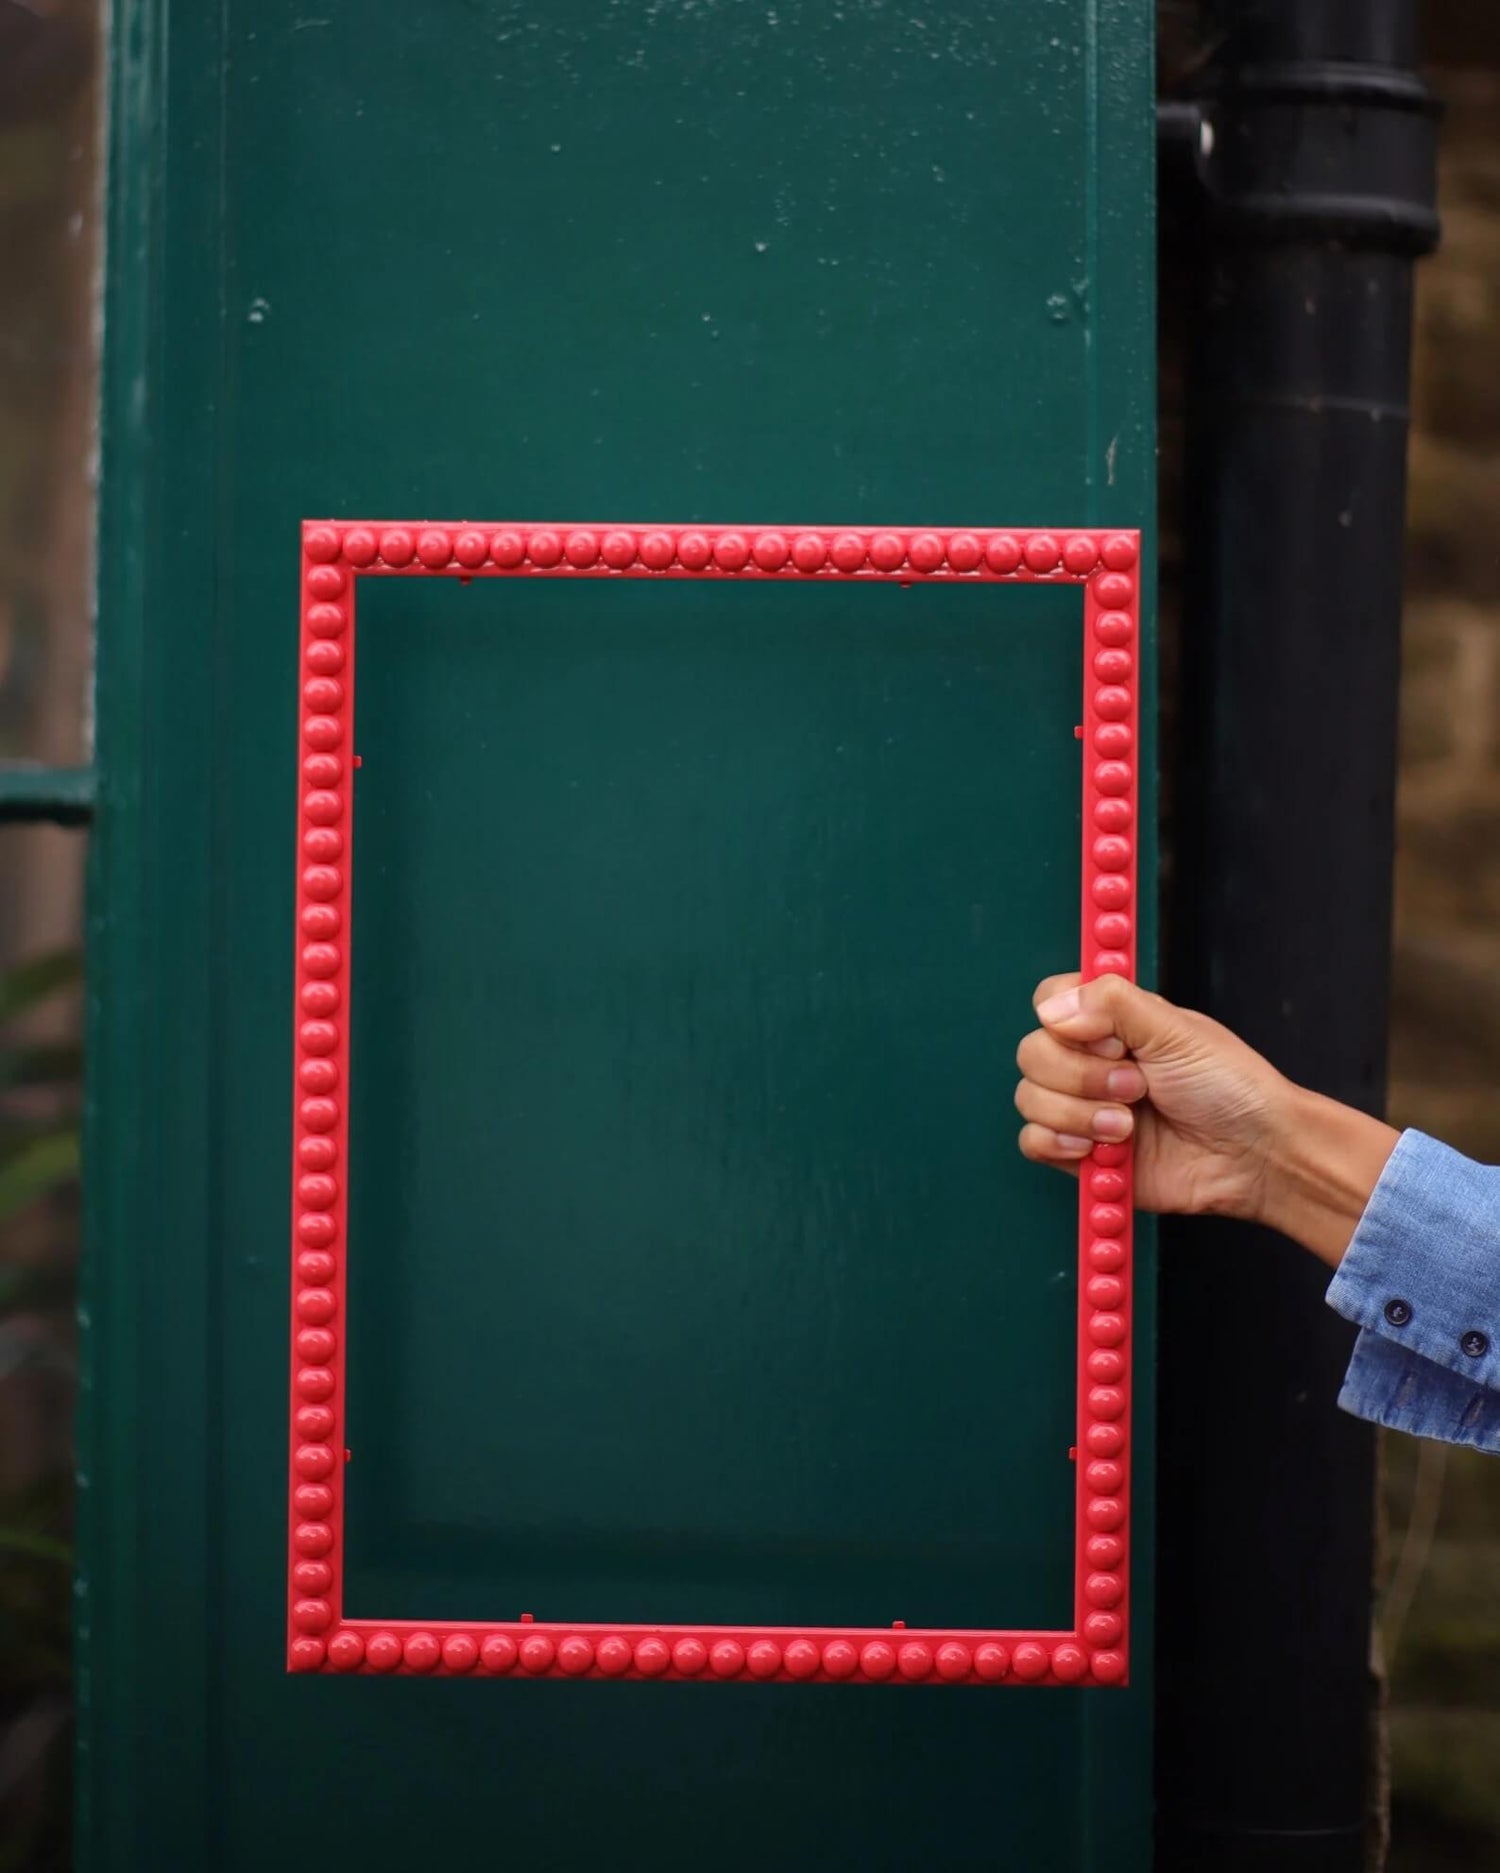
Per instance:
(1421,1280)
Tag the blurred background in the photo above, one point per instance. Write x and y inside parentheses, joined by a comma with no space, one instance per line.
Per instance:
(49,261)
(1437,1642)
(1439,1632)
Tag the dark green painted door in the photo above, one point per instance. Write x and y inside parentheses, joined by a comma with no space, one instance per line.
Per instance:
(693,1272)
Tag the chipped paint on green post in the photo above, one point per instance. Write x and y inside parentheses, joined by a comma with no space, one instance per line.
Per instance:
(696,927)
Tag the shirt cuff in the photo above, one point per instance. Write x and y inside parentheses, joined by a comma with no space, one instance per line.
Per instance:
(1423,1268)
(1405,1392)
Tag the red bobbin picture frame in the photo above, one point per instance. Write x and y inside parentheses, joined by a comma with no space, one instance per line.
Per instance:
(321,1636)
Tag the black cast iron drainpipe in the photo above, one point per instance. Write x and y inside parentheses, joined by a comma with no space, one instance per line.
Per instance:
(1300,175)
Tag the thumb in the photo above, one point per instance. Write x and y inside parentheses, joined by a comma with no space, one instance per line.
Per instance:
(1109,1006)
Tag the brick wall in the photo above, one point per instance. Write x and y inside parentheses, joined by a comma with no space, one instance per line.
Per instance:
(1446,1015)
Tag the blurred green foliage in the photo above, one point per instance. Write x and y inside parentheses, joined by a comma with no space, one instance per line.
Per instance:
(40,1095)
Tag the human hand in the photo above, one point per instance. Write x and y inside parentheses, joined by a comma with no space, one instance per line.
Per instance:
(1111,1059)
(1217,1129)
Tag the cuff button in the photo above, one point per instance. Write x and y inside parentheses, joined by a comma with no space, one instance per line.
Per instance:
(1398,1313)
(1475,1343)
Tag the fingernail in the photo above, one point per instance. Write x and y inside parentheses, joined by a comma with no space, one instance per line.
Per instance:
(1059,1007)
(1070,1143)
(1112,1123)
(1126,1083)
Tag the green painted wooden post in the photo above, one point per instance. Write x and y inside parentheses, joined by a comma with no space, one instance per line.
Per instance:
(807,261)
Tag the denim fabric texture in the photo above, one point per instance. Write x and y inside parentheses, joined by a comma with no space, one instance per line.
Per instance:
(1421,1280)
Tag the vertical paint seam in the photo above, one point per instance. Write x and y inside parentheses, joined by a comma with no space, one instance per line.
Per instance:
(1091,253)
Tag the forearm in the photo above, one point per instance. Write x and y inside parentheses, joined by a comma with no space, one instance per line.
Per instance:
(1323,1161)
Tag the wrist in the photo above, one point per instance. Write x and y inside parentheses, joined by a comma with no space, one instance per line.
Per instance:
(1323,1160)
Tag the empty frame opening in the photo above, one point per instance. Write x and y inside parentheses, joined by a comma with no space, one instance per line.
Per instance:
(692,1271)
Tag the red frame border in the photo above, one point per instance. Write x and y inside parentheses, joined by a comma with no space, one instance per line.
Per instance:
(335,555)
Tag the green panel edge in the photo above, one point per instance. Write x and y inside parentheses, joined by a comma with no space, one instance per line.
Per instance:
(142,1591)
